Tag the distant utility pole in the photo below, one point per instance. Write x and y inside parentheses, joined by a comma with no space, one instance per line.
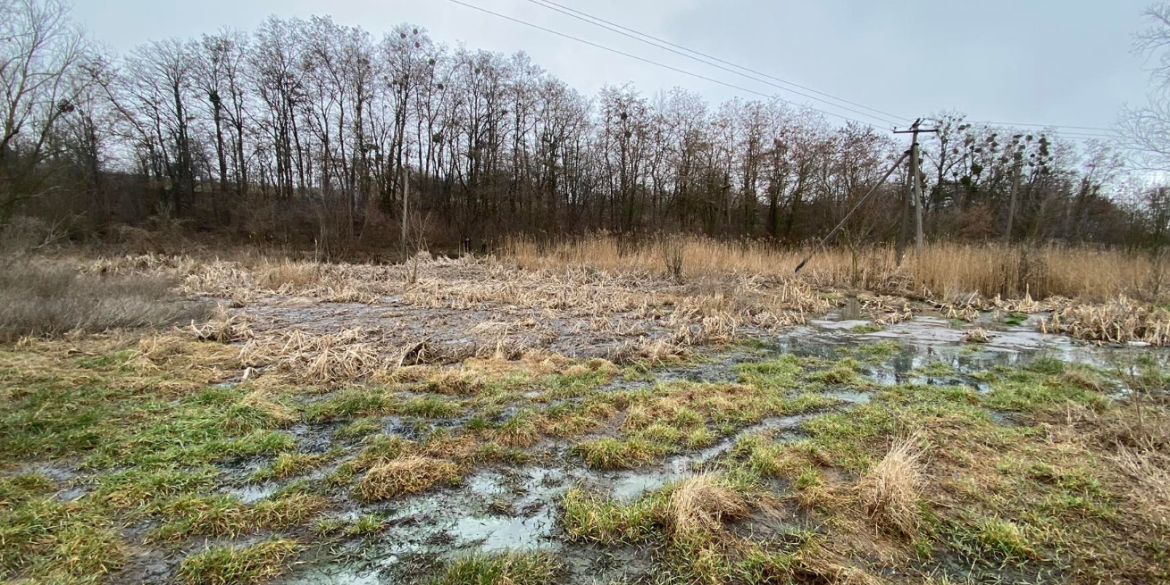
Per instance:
(915,180)
(405,202)
(1011,216)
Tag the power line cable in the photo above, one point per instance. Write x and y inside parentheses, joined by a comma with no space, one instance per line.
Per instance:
(1073,135)
(650,61)
(712,61)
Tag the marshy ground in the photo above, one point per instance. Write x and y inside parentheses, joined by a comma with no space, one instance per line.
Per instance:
(473,421)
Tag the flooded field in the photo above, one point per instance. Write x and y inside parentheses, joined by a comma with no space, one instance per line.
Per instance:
(502,438)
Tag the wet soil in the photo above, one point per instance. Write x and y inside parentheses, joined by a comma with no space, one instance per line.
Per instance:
(514,507)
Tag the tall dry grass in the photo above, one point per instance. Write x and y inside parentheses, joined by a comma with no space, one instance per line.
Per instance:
(945,271)
(41,297)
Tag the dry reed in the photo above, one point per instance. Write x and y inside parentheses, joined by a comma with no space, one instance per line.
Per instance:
(945,271)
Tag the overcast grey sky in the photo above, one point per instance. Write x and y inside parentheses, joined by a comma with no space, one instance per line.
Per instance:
(1063,62)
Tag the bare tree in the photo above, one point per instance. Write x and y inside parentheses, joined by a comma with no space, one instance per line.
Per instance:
(1145,128)
(40,54)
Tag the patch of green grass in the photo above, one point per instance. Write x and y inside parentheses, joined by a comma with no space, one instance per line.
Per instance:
(698,438)
(659,434)
(351,402)
(378,448)
(935,369)
(18,488)
(287,465)
(52,421)
(1014,318)
(578,381)
(110,360)
(221,565)
(761,456)
(876,351)
(994,540)
(492,451)
(867,328)
(364,525)
(1046,365)
(359,428)
(847,438)
(538,568)
(223,515)
(845,372)
(57,541)
(518,431)
(1026,392)
(775,374)
(202,515)
(431,407)
(611,453)
(137,487)
(587,517)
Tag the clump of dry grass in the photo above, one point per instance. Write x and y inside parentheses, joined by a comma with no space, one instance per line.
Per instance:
(701,504)
(286,275)
(406,475)
(262,401)
(1119,321)
(325,359)
(222,327)
(48,298)
(1150,472)
(890,490)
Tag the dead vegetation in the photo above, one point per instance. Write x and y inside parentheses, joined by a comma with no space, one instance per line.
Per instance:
(943,272)
(890,490)
(47,298)
(1121,320)
(702,504)
(406,475)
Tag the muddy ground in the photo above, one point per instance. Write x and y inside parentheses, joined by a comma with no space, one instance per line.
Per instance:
(529,400)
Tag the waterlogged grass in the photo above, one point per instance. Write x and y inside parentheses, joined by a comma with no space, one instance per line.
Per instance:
(682,416)
(222,515)
(1025,479)
(538,568)
(775,374)
(221,565)
(1033,392)
(351,403)
(588,517)
(54,541)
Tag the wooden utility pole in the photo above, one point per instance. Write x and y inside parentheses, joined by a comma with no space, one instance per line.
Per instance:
(405,203)
(1011,215)
(916,181)
(903,224)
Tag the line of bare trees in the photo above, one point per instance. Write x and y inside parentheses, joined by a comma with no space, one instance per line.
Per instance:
(308,130)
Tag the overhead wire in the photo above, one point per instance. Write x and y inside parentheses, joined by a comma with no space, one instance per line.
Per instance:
(652,62)
(716,62)
(1068,131)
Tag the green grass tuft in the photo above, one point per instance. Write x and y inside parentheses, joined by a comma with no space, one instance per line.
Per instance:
(221,565)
